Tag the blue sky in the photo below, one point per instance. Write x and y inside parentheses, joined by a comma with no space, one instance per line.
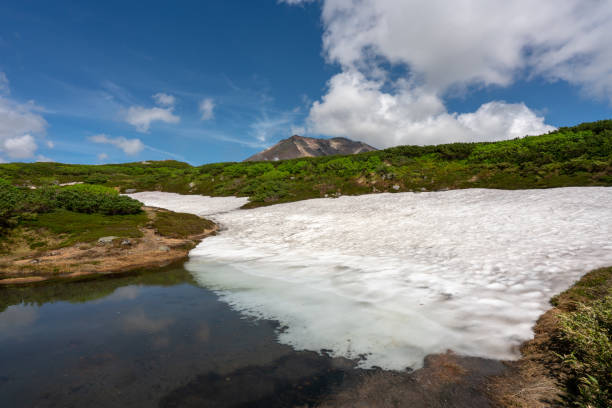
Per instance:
(99,82)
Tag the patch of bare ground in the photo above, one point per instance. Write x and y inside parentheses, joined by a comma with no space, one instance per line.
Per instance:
(153,249)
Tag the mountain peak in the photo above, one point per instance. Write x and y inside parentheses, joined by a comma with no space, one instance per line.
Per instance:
(301,146)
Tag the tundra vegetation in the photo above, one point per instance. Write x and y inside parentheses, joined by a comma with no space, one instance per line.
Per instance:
(584,340)
(576,156)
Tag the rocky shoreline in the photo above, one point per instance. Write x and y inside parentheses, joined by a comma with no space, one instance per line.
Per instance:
(109,255)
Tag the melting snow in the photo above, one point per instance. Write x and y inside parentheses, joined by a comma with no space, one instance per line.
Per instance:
(398,276)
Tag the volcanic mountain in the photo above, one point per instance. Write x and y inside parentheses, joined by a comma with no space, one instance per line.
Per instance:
(300,146)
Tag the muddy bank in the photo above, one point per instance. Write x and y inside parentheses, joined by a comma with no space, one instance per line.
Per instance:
(308,379)
(107,256)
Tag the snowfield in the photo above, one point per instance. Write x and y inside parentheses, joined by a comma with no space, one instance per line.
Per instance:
(394,277)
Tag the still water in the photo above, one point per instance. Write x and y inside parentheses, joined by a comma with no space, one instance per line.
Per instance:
(148,339)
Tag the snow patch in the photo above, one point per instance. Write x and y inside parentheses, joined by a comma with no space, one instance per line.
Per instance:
(398,276)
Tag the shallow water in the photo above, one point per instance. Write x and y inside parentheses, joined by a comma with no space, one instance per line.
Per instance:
(147,339)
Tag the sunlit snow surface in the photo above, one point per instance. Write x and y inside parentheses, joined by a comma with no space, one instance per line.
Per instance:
(398,276)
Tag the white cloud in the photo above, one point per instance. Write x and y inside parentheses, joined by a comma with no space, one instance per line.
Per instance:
(295,2)
(141,118)
(129,146)
(298,130)
(41,158)
(359,108)
(18,122)
(19,119)
(476,41)
(266,127)
(206,107)
(22,147)
(448,46)
(164,99)
(102,156)
(50,144)
(4,84)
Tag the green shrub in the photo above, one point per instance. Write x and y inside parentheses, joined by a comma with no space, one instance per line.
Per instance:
(270,190)
(586,336)
(96,179)
(89,199)
(119,205)
(10,197)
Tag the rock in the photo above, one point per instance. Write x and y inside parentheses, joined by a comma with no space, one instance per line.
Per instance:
(126,242)
(396,187)
(34,261)
(192,185)
(163,248)
(106,240)
(130,190)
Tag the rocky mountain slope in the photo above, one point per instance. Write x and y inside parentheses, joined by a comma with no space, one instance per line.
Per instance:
(300,146)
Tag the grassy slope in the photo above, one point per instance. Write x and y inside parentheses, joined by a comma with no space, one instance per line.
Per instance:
(578,156)
(62,228)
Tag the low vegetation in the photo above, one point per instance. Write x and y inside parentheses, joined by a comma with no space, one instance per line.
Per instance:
(63,208)
(180,225)
(568,363)
(584,342)
(576,156)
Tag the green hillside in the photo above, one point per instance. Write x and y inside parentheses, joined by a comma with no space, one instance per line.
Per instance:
(576,156)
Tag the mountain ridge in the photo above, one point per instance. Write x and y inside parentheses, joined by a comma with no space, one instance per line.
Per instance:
(301,146)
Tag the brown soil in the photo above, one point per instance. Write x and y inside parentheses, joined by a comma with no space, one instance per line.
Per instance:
(536,380)
(150,250)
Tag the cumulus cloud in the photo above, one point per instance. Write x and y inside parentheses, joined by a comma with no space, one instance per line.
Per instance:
(359,108)
(448,46)
(18,122)
(164,99)
(129,146)
(22,147)
(18,119)
(206,107)
(476,41)
(141,118)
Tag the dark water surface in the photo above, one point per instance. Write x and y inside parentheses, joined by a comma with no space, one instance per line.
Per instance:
(145,340)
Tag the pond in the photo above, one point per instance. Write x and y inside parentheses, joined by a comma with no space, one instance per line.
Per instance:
(147,339)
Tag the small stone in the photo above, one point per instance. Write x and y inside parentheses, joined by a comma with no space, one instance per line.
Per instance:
(106,240)
(130,191)
(34,261)
(164,248)
(396,187)
(126,242)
